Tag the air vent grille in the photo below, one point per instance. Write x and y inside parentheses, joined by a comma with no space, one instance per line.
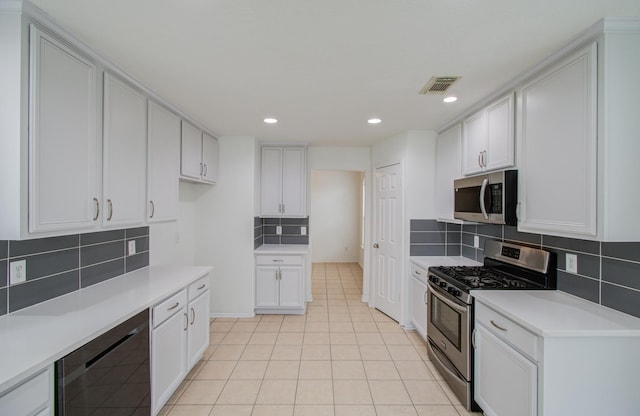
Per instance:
(438,85)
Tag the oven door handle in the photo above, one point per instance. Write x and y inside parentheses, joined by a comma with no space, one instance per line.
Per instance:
(453,305)
(483,191)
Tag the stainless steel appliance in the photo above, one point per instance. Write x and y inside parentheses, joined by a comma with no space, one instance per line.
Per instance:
(109,375)
(490,198)
(450,313)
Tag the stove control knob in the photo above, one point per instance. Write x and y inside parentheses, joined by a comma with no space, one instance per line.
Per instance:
(451,289)
(443,284)
(455,292)
(434,279)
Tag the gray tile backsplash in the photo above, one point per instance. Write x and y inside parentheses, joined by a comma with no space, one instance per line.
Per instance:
(264,231)
(59,265)
(608,272)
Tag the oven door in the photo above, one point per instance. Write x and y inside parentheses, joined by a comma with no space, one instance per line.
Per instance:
(448,327)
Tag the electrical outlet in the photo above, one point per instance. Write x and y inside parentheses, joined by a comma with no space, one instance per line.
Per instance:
(476,241)
(18,272)
(278,229)
(132,247)
(571,263)
(303,230)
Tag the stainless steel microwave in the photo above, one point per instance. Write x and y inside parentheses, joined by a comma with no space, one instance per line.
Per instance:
(489,198)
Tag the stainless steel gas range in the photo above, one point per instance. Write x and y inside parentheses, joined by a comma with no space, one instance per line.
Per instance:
(450,305)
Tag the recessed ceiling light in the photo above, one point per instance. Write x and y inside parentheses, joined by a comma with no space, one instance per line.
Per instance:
(450,99)
(374,121)
(270,120)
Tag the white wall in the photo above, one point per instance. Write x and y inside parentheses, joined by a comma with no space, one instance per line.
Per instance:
(224,229)
(335,223)
(173,243)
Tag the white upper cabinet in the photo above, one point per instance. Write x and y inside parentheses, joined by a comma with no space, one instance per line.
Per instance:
(283,182)
(124,154)
(209,158)
(64,151)
(199,155)
(488,138)
(449,168)
(163,164)
(559,146)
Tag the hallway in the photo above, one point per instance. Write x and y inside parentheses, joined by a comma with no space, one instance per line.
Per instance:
(341,358)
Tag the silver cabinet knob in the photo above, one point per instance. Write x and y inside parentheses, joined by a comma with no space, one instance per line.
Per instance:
(376,245)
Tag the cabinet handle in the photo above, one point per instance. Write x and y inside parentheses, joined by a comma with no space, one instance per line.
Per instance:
(480,159)
(424,297)
(277,260)
(473,338)
(110,209)
(186,321)
(193,316)
(174,306)
(205,169)
(201,287)
(201,169)
(498,326)
(376,245)
(97,208)
(153,209)
(484,158)
(416,272)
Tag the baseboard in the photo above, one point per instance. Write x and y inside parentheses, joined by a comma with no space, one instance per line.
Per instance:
(232,315)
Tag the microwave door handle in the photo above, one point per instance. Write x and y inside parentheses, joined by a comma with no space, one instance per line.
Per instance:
(483,191)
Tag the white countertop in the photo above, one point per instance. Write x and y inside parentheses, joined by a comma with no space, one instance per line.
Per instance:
(282,249)
(552,313)
(33,338)
(429,261)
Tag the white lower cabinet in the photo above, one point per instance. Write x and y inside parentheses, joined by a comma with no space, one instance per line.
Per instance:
(418,296)
(505,381)
(179,336)
(280,284)
(32,397)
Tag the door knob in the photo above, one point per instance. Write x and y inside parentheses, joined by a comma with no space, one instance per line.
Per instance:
(376,245)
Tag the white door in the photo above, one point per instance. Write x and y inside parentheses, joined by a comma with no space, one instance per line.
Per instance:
(191,151)
(209,158)
(267,286)
(198,329)
(474,141)
(163,164)
(500,137)
(293,182)
(388,240)
(271,182)
(291,286)
(124,170)
(64,162)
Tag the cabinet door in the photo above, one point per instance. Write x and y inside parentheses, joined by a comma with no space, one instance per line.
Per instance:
(293,182)
(64,151)
(198,328)
(501,134)
(271,182)
(557,140)
(191,151)
(163,166)
(291,286)
(209,158)
(124,171)
(474,140)
(418,306)
(266,286)
(448,169)
(505,381)
(168,358)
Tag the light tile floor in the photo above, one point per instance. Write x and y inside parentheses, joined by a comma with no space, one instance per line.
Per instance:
(341,358)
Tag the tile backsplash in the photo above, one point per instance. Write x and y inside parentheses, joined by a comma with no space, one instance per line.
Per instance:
(265,231)
(59,265)
(608,272)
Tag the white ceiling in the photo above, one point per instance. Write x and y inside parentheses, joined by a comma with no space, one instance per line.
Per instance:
(323,67)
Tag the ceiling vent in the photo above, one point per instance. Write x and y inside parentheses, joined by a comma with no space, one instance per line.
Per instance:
(438,85)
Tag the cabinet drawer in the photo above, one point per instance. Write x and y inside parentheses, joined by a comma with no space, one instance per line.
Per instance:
(198,287)
(29,397)
(419,273)
(286,260)
(164,310)
(507,330)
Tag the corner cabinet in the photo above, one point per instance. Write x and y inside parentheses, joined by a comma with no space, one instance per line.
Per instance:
(179,336)
(488,138)
(448,169)
(64,143)
(577,141)
(199,155)
(124,154)
(280,281)
(163,164)
(283,182)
